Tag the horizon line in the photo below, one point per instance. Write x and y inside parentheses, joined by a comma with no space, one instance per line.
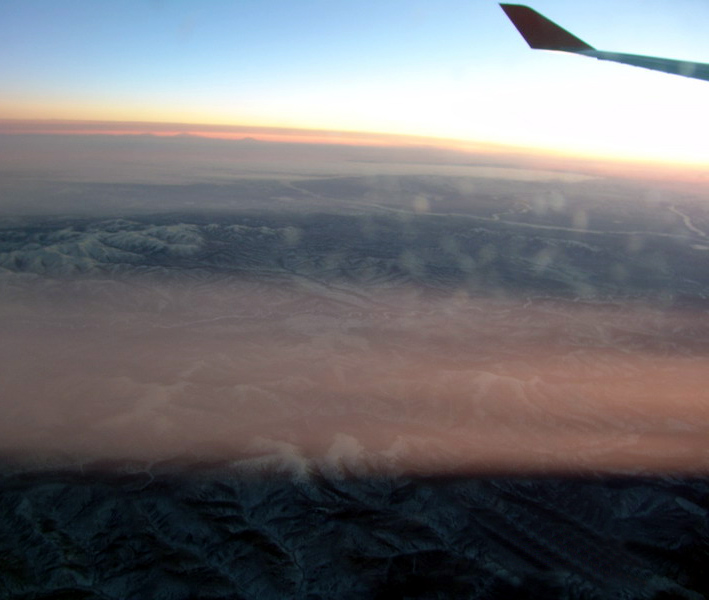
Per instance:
(588,162)
(238,132)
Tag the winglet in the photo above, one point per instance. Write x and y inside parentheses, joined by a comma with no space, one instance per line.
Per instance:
(541,33)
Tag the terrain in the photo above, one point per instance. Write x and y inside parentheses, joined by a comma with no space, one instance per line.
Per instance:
(481,384)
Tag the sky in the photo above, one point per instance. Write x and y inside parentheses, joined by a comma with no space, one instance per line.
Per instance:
(448,69)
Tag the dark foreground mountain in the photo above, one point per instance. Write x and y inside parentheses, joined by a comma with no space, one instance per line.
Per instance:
(207,532)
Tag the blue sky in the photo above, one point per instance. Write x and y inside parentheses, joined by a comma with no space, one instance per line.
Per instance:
(448,68)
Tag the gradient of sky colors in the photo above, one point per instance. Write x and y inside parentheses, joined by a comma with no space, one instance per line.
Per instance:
(448,69)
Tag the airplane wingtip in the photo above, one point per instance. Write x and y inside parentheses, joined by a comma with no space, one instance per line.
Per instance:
(539,32)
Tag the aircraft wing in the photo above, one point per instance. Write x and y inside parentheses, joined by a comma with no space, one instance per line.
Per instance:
(542,34)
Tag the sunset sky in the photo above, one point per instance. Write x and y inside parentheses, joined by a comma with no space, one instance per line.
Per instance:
(449,69)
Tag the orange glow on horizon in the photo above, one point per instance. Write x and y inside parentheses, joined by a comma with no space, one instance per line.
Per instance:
(521,156)
(234,132)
